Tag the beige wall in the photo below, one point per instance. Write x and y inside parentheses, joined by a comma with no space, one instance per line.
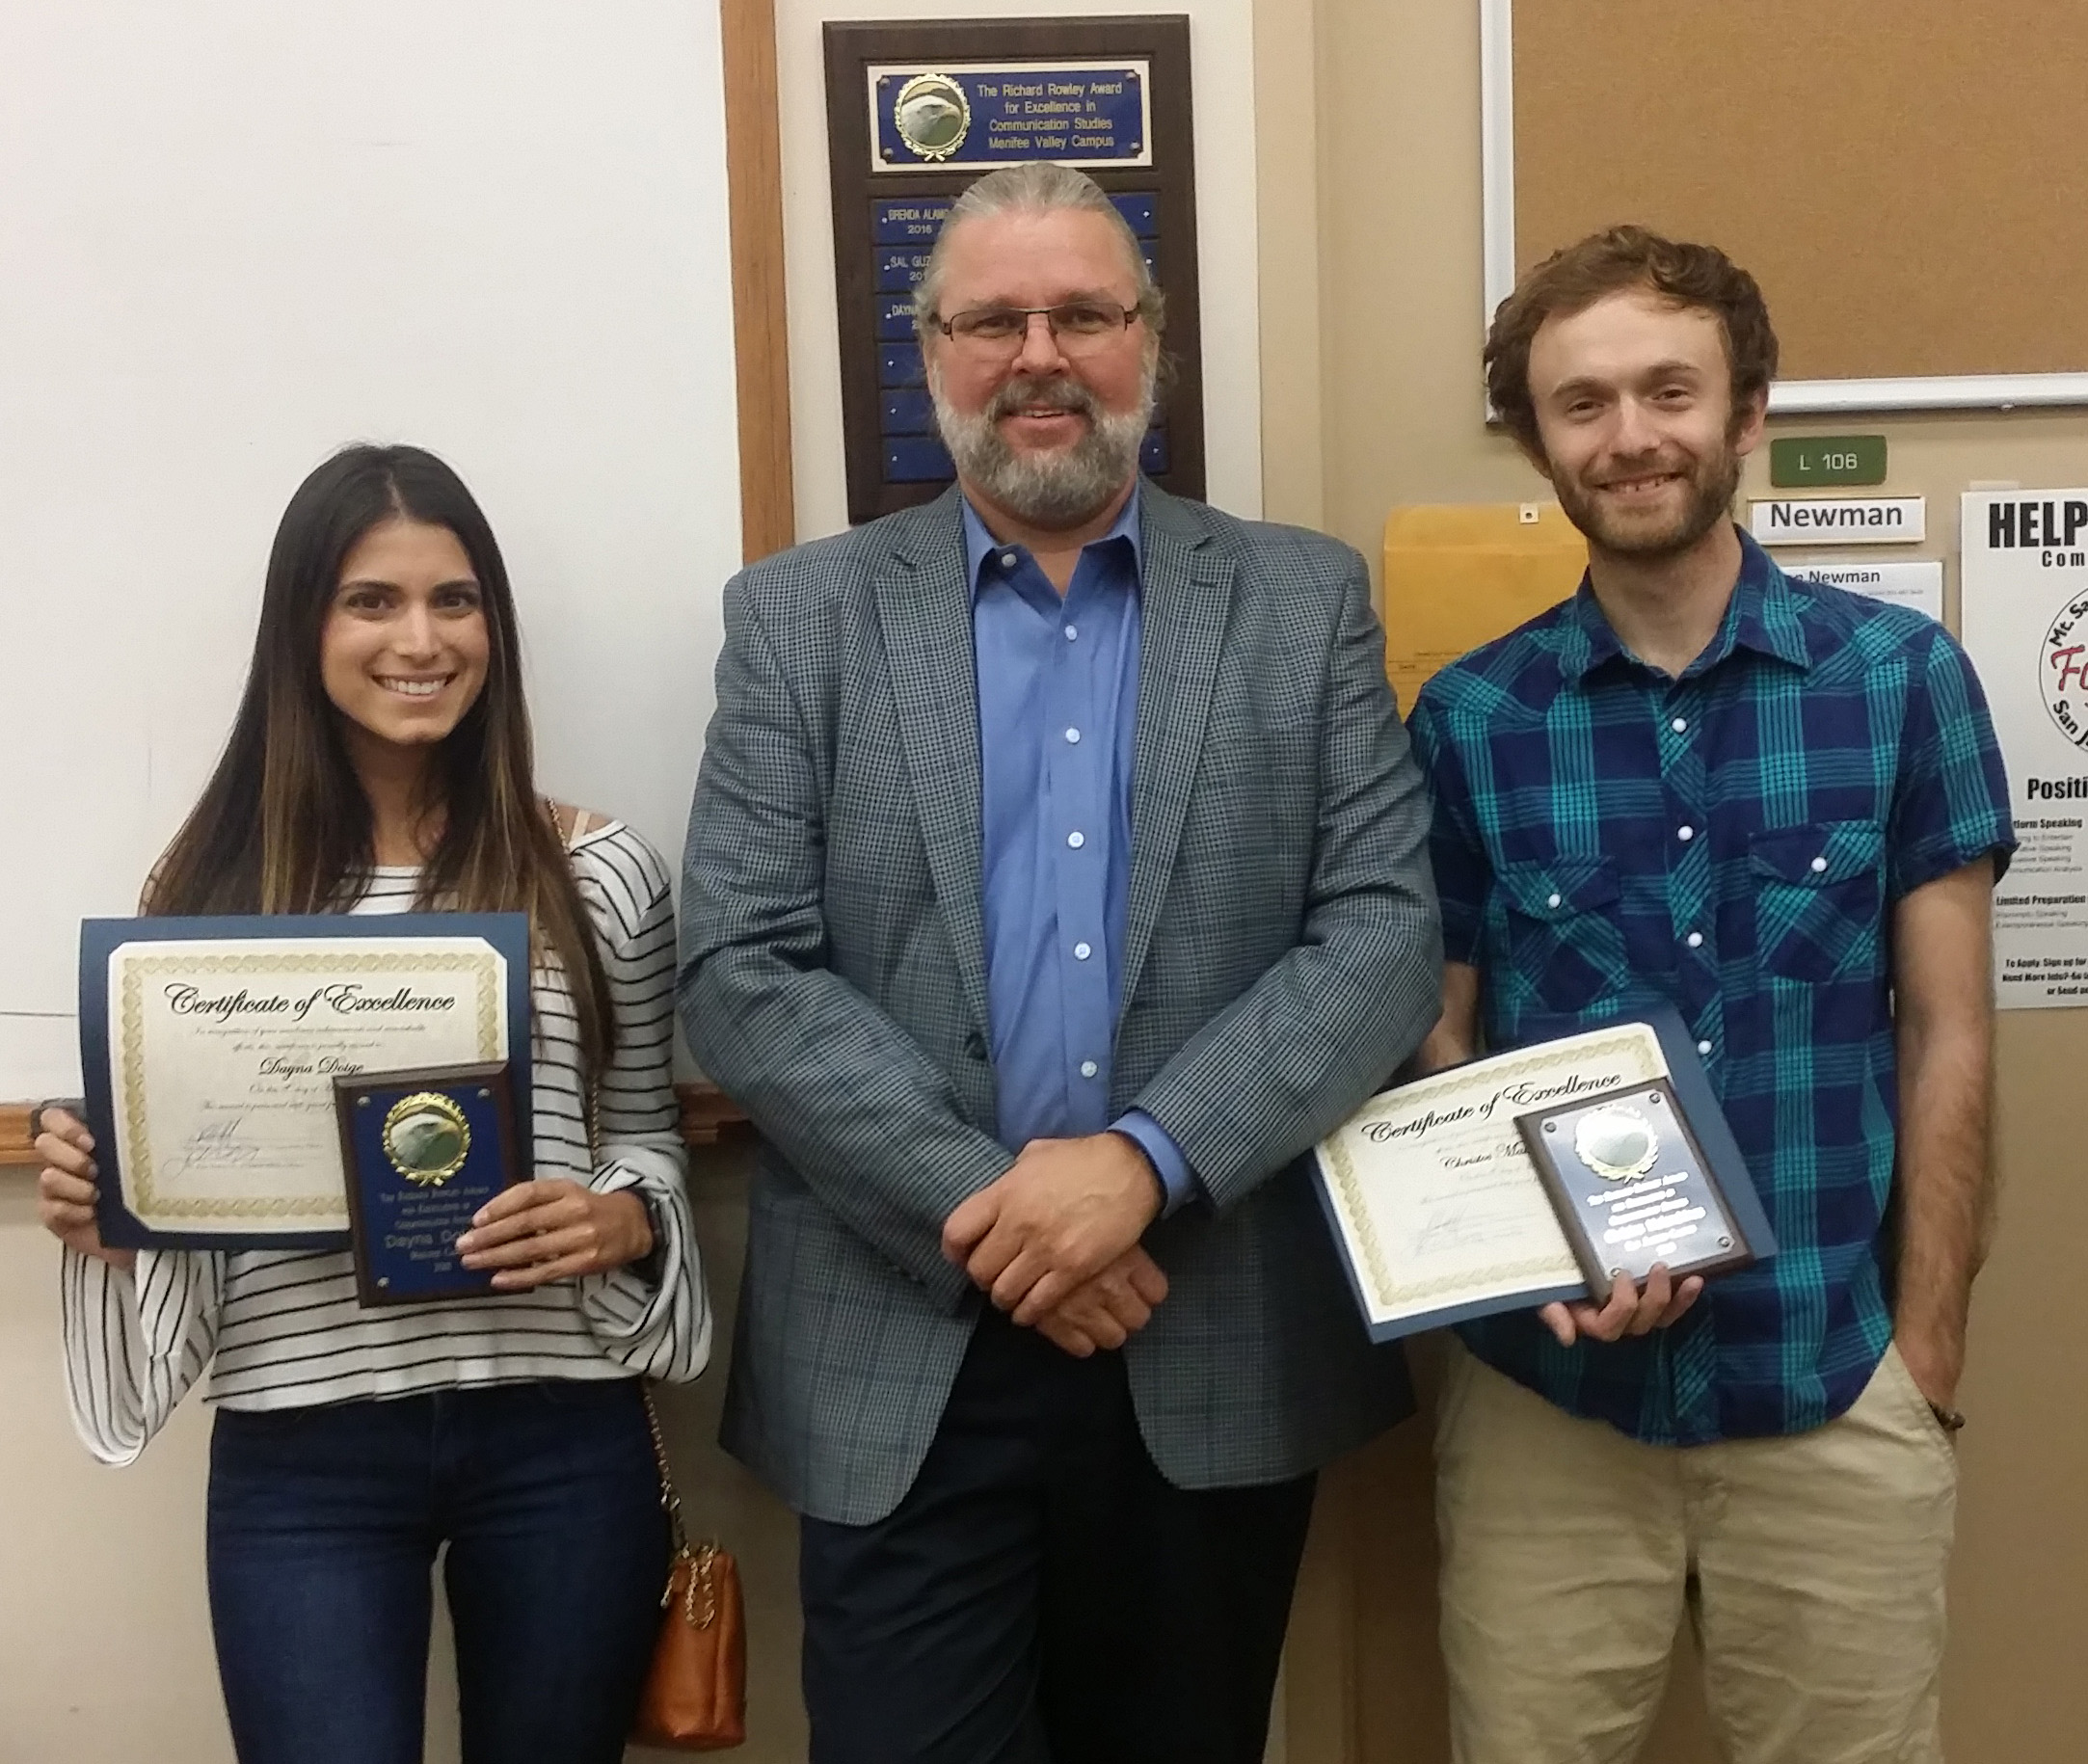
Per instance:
(1387,394)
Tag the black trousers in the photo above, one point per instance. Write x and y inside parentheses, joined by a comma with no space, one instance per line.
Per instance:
(1043,1596)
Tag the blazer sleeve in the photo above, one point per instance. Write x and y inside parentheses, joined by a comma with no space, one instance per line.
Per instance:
(873,1126)
(1327,1024)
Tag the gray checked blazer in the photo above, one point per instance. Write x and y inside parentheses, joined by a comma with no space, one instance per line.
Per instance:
(1282,955)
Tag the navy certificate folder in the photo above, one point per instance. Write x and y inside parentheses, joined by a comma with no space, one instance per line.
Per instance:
(101,938)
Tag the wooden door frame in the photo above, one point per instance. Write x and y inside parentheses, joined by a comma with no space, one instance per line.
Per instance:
(760,344)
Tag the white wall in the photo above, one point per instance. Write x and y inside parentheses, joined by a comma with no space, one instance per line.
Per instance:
(1221,78)
(237,236)
(234,235)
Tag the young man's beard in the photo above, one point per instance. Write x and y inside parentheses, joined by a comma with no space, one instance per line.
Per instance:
(1712,484)
(1053,490)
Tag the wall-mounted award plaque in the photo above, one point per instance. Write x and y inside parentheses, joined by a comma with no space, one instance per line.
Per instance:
(915,111)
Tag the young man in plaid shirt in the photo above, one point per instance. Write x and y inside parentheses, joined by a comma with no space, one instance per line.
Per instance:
(1780,808)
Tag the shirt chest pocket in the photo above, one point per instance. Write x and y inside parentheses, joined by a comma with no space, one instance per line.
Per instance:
(1565,942)
(1819,898)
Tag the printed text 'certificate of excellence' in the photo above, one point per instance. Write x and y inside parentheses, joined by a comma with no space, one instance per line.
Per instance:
(222,1053)
(1436,1206)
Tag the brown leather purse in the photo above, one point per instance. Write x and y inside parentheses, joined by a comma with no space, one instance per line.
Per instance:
(695,1697)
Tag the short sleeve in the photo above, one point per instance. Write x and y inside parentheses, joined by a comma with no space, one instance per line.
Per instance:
(1463,874)
(1950,799)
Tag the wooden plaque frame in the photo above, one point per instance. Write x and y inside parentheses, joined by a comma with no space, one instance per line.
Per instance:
(851,49)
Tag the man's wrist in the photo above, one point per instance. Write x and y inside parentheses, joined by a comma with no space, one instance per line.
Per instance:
(1935,1360)
(1146,1164)
(1172,1177)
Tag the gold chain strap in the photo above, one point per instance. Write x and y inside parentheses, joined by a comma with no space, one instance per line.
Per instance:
(700,1603)
(700,1599)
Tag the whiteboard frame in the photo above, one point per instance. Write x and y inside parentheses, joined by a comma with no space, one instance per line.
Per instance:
(1787,397)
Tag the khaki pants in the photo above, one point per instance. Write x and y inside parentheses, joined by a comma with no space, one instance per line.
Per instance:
(1811,1568)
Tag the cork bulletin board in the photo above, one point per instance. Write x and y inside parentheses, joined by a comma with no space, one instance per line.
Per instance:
(1908,179)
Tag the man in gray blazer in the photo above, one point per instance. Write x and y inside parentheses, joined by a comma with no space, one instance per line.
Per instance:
(1056,878)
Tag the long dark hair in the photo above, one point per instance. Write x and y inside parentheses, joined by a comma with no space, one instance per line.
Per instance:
(284,825)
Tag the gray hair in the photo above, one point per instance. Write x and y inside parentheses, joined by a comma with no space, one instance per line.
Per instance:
(1040,186)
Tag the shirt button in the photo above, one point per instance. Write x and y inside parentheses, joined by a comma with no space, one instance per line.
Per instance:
(1007,560)
(1088,1068)
(1696,940)
(1679,724)
(1685,834)
(1072,631)
(1081,953)
(1076,840)
(1818,865)
(1552,901)
(1073,734)
(1704,1047)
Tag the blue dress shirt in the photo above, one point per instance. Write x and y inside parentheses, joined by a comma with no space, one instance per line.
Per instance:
(1058,683)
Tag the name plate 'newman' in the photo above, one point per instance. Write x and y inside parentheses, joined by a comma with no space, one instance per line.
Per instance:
(1839,521)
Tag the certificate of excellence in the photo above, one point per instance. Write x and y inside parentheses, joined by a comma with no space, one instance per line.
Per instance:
(210,1049)
(1441,1214)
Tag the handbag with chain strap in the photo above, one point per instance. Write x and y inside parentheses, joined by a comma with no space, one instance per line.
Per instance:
(695,1695)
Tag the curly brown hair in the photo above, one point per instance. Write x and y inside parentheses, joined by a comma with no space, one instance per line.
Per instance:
(1605,264)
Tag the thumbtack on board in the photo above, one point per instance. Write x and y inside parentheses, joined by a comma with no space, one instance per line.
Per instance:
(1527,514)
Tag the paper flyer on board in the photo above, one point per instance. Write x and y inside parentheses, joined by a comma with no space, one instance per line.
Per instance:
(2024,587)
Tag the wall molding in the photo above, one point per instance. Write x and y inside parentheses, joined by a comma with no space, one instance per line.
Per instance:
(709,1117)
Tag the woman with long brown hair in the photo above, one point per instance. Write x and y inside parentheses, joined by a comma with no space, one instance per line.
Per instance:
(381,762)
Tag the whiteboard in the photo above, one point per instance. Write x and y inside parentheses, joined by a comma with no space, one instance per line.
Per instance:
(237,234)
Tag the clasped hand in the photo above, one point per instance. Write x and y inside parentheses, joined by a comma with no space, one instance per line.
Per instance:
(1055,1241)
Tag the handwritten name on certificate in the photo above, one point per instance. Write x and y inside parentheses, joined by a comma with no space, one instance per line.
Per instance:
(222,1056)
(1436,1205)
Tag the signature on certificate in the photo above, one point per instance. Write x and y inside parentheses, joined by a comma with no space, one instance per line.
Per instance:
(217,1145)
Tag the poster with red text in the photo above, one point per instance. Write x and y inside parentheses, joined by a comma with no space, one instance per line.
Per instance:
(2024,602)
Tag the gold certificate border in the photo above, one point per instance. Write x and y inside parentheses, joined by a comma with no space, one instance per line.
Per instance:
(1387,1295)
(483,965)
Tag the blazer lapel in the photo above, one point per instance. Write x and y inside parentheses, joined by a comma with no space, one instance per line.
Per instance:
(1185,602)
(925,610)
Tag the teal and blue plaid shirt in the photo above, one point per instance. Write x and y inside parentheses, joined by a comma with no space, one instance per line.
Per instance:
(1731,842)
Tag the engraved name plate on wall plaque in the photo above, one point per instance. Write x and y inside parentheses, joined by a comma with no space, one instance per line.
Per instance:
(915,111)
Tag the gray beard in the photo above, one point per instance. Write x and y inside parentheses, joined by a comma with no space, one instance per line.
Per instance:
(1053,490)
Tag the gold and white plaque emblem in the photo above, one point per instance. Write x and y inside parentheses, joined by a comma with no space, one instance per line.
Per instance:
(1616,1143)
(426,1138)
(932,114)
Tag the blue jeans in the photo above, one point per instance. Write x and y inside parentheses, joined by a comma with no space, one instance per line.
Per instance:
(324,1528)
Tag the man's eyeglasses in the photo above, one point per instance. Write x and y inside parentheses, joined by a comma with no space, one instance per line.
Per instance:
(1080,326)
